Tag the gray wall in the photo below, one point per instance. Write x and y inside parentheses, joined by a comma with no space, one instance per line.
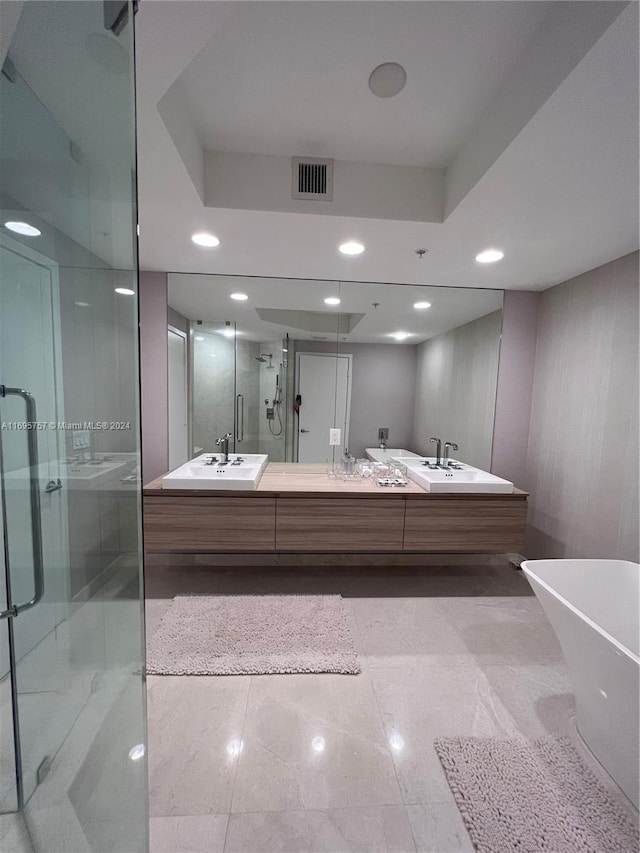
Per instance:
(515,385)
(582,460)
(456,389)
(382,391)
(177,320)
(154,374)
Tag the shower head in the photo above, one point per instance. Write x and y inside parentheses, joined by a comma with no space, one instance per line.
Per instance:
(260,358)
(263,358)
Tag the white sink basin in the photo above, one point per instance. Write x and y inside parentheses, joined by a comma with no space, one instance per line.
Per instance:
(90,476)
(198,474)
(467,479)
(389,454)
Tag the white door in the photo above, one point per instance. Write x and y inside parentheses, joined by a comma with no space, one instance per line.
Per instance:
(324,386)
(178,432)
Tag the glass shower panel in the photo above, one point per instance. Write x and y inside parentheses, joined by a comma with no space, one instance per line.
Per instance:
(71,649)
(216,408)
(269,369)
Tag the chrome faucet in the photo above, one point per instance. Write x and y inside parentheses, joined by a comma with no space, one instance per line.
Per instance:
(438,449)
(448,445)
(223,444)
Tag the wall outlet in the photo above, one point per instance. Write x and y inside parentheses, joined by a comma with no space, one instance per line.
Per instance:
(334,437)
(383,433)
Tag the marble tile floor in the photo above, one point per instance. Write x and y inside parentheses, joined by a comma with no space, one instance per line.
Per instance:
(346,763)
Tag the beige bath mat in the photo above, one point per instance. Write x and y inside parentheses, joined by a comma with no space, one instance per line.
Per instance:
(252,635)
(521,796)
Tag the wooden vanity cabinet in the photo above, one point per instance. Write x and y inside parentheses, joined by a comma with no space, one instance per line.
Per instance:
(202,523)
(477,524)
(339,524)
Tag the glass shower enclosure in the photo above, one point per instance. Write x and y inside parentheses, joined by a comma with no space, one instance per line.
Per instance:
(72,701)
(238,386)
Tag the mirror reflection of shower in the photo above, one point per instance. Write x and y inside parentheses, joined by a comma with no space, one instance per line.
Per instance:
(273,406)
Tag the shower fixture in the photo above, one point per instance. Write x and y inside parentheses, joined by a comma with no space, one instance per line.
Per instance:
(263,358)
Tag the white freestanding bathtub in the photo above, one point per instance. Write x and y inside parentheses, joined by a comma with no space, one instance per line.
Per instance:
(593,608)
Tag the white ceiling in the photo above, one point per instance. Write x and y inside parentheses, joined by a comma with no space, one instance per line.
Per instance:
(545,166)
(207,298)
(291,78)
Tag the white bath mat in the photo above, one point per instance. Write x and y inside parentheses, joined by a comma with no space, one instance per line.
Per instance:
(252,635)
(532,797)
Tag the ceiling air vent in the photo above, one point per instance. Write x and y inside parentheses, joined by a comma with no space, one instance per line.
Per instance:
(312,178)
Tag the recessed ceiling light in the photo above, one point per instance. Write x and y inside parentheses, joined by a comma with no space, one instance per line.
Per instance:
(23,228)
(207,241)
(351,248)
(332,300)
(82,304)
(235,747)
(387,79)
(239,297)
(489,256)
(400,336)
(421,305)
(229,333)
(199,337)
(125,291)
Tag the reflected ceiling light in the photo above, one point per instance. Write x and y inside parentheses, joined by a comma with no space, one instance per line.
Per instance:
(235,747)
(489,256)
(229,333)
(199,338)
(212,354)
(351,248)
(332,300)
(125,291)
(239,297)
(396,742)
(387,79)
(207,241)
(400,336)
(318,744)
(23,228)
(136,752)
(421,305)
(82,304)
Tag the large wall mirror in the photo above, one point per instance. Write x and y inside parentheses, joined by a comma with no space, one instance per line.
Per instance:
(278,363)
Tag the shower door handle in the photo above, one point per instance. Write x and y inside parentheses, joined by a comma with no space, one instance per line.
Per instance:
(34,489)
(240,418)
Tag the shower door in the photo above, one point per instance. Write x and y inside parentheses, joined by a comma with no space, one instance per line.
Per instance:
(72,702)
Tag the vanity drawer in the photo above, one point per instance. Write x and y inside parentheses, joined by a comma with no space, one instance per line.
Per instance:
(209,524)
(348,524)
(478,524)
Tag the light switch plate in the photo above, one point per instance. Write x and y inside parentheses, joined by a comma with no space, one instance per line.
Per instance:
(334,437)
(81,439)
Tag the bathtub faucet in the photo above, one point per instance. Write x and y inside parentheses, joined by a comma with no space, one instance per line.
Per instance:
(223,444)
